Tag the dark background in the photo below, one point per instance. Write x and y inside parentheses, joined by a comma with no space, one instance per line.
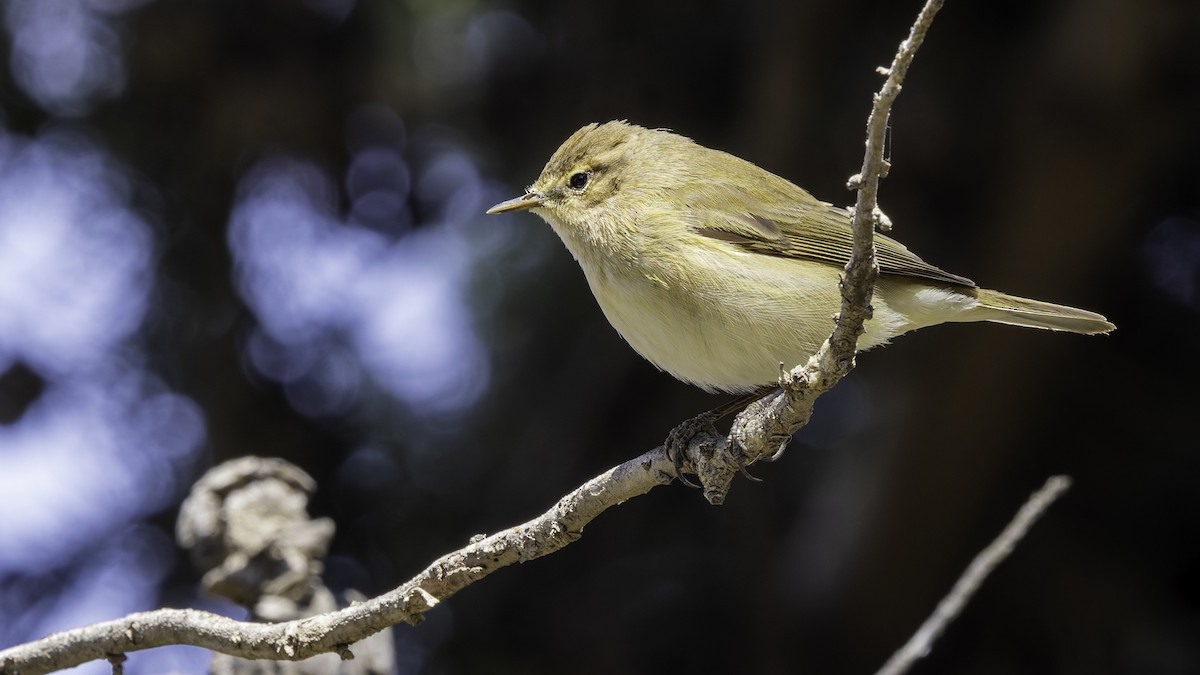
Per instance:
(304,271)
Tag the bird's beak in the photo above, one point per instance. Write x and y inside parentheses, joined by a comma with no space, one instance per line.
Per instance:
(526,201)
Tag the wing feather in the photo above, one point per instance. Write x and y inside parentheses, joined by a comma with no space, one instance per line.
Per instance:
(805,229)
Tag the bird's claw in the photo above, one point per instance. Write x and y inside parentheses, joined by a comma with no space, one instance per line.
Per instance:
(739,458)
(682,436)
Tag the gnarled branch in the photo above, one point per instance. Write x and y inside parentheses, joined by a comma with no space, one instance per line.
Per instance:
(767,424)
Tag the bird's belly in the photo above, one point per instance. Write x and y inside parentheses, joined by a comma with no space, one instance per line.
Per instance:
(733,330)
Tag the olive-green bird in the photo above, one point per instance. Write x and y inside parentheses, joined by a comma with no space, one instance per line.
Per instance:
(717,271)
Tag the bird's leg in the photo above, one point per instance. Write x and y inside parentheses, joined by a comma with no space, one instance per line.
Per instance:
(681,436)
(705,423)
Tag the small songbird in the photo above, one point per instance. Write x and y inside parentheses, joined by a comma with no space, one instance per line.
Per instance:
(717,271)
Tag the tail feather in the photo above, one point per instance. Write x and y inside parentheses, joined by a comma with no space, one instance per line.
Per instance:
(1017,311)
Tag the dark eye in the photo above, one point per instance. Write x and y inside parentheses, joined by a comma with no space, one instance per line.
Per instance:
(579,180)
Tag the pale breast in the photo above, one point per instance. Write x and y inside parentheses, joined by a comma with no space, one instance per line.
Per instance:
(729,323)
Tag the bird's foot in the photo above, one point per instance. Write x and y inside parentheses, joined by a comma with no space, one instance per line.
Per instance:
(702,427)
(682,436)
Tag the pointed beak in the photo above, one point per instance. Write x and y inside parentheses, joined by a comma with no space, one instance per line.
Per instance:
(526,201)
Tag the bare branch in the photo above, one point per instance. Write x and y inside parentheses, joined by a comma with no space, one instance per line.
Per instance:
(760,430)
(766,425)
(334,631)
(949,608)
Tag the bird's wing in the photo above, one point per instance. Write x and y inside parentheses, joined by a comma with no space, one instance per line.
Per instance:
(806,230)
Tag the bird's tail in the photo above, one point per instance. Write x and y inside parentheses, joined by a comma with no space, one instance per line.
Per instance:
(1037,314)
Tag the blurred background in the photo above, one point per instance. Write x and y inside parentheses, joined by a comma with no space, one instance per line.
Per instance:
(255,227)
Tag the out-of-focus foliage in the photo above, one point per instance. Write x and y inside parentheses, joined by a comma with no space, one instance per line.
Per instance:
(255,227)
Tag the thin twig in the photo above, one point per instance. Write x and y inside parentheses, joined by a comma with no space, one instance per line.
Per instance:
(766,425)
(949,608)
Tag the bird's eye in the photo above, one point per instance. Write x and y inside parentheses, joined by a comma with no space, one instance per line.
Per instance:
(580,180)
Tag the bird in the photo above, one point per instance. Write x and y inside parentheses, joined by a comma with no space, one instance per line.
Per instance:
(718,271)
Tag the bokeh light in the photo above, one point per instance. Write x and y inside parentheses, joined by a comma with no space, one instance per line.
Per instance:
(103,443)
(66,54)
(1171,255)
(340,301)
(455,49)
(74,258)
